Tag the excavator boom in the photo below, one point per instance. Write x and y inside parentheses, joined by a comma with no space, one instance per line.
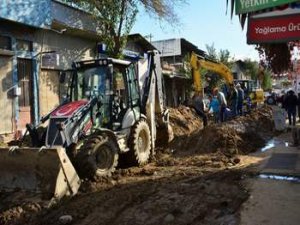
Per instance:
(219,68)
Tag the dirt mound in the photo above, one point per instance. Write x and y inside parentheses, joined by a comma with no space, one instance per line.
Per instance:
(239,136)
(184,121)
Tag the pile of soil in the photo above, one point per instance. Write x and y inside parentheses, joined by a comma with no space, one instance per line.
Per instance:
(184,121)
(241,135)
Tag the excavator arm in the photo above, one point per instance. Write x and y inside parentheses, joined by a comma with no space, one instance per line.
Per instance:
(216,67)
(153,102)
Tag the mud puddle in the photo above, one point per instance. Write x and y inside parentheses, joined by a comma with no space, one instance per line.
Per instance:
(270,144)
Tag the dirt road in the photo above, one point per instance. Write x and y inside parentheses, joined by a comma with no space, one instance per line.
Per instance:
(200,179)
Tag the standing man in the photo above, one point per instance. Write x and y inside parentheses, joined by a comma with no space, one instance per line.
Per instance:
(233,99)
(222,101)
(199,107)
(214,105)
(290,103)
(240,100)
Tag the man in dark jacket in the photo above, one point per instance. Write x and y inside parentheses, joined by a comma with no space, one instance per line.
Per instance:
(290,103)
(199,107)
(233,99)
(240,100)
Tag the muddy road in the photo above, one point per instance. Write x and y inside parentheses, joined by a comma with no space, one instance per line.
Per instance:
(197,180)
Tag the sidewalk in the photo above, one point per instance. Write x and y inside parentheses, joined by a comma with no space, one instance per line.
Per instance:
(275,194)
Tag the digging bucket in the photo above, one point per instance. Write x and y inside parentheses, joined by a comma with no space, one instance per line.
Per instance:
(47,171)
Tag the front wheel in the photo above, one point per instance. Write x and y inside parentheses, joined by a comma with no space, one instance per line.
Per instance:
(140,143)
(97,157)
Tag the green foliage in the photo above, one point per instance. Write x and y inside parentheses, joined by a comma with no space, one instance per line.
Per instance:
(267,80)
(251,68)
(116,19)
(223,56)
(211,52)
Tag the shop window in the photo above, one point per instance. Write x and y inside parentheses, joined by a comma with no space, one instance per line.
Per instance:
(24,45)
(5,42)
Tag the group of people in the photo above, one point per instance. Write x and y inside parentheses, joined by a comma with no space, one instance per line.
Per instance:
(221,107)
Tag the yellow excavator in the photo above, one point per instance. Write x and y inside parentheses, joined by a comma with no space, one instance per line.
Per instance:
(197,62)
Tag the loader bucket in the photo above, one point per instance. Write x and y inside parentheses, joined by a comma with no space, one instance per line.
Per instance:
(45,171)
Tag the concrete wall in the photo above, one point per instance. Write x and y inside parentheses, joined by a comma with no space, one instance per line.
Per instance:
(74,18)
(6,101)
(67,48)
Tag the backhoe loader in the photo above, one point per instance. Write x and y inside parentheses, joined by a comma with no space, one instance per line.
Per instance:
(113,108)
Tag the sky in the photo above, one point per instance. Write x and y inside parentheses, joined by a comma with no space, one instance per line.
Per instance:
(203,22)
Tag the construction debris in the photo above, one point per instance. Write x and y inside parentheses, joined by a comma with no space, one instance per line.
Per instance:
(191,182)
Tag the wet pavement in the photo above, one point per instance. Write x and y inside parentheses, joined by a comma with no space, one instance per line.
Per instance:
(280,178)
(282,158)
(275,192)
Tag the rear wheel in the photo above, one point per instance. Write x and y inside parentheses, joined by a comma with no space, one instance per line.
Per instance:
(97,157)
(140,144)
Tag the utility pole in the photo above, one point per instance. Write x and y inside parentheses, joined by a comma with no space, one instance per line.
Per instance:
(150,36)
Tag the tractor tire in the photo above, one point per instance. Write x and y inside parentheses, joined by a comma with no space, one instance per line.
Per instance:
(139,144)
(97,157)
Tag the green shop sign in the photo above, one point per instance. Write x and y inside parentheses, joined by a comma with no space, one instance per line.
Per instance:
(245,6)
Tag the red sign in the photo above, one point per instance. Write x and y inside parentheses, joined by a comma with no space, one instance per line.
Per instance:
(68,109)
(273,29)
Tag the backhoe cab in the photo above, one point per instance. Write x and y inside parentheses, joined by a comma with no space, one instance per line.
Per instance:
(112,108)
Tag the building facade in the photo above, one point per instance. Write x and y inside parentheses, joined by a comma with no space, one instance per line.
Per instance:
(39,40)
